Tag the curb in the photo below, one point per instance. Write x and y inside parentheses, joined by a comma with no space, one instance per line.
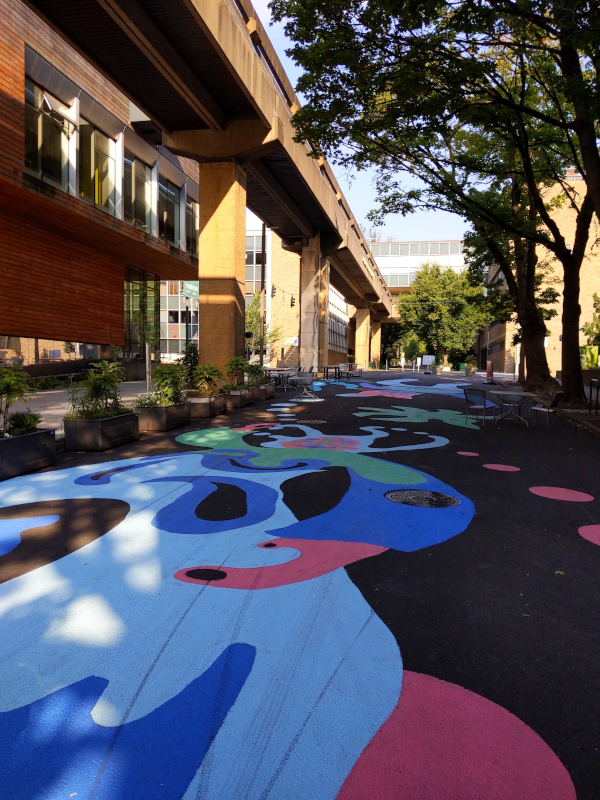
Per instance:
(595,428)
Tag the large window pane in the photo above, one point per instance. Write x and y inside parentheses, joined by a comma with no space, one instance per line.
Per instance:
(32,136)
(54,152)
(104,176)
(47,135)
(128,187)
(86,161)
(168,208)
(191,227)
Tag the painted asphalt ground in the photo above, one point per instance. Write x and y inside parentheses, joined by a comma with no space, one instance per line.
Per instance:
(510,608)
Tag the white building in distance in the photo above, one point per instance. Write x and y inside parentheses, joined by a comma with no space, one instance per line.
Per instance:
(399,261)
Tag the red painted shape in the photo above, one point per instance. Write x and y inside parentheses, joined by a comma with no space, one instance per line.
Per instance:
(502,467)
(255,426)
(315,559)
(466,453)
(557,493)
(443,742)
(591,533)
(322,443)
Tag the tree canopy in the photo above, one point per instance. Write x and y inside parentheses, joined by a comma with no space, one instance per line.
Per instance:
(271,337)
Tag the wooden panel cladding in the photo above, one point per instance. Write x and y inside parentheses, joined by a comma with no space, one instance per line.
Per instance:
(55,288)
(12,92)
(21,22)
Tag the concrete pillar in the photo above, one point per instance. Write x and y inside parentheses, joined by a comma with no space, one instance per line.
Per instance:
(363,337)
(221,262)
(314,293)
(376,343)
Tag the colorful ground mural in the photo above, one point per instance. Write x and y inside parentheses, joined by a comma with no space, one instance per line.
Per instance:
(182,626)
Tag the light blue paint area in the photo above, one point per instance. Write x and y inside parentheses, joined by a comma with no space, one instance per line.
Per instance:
(366,515)
(53,749)
(362,444)
(11,529)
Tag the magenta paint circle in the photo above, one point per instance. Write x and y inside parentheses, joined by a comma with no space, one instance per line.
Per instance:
(558,493)
(466,453)
(591,533)
(502,467)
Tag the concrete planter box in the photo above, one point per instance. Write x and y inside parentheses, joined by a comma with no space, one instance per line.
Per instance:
(163,418)
(263,392)
(435,369)
(21,454)
(238,398)
(100,434)
(201,407)
(470,371)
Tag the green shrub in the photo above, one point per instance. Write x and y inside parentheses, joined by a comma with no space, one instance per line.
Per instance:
(169,382)
(256,375)
(205,378)
(21,422)
(14,386)
(147,400)
(235,367)
(98,395)
(189,361)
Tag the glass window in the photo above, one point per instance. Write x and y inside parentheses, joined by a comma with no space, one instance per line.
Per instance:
(403,280)
(192,227)
(249,242)
(173,317)
(258,257)
(386,279)
(96,167)
(385,249)
(47,135)
(168,211)
(403,249)
(414,249)
(394,249)
(249,257)
(393,280)
(137,192)
(434,248)
(249,273)
(376,249)
(174,287)
(411,277)
(444,246)
(455,247)
(424,249)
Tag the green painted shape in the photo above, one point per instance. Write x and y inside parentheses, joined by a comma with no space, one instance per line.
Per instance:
(418,415)
(271,457)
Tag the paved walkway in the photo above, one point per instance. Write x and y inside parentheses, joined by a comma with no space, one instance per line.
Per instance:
(356,598)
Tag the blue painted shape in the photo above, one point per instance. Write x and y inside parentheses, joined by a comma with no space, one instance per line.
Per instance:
(53,749)
(11,529)
(180,515)
(365,515)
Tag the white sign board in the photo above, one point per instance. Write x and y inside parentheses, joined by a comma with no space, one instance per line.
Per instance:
(427,360)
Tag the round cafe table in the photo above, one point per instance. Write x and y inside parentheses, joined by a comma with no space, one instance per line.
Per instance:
(513,398)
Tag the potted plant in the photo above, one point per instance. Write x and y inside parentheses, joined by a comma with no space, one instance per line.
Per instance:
(238,395)
(166,407)
(436,367)
(470,366)
(204,399)
(189,362)
(23,447)
(260,385)
(97,418)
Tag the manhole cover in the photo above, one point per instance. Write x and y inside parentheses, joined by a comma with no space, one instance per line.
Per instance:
(421,498)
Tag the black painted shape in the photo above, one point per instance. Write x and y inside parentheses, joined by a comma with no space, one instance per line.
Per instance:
(422,498)
(269,544)
(206,574)
(315,493)
(235,463)
(99,475)
(226,502)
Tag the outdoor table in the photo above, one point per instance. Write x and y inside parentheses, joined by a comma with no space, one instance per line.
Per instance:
(513,398)
(336,371)
(280,376)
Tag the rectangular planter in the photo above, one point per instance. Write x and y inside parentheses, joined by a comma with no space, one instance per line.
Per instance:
(238,398)
(21,454)
(202,407)
(163,418)
(263,392)
(100,434)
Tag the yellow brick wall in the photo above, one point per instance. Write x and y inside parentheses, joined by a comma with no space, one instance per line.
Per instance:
(285,276)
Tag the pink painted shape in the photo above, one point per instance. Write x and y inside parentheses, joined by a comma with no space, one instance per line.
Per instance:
(397,395)
(255,426)
(557,493)
(502,467)
(443,742)
(591,533)
(322,443)
(466,453)
(316,558)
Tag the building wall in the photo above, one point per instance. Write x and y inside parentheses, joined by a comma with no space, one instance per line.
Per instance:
(285,277)
(399,261)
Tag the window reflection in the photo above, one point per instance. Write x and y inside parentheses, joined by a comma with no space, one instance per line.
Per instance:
(47,135)
(96,167)
(137,192)
(168,211)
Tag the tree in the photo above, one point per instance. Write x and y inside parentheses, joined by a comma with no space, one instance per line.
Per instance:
(14,386)
(470,98)
(592,329)
(271,338)
(444,310)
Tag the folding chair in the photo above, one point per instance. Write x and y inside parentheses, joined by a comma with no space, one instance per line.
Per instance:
(552,408)
(476,397)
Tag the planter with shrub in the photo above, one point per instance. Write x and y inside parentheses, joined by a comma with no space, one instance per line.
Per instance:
(204,399)
(470,366)
(258,383)
(23,448)
(166,407)
(238,395)
(97,418)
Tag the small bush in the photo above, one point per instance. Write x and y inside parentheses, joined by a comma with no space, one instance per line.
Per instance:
(147,400)
(235,367)
(169,381)
(21,422)
(205,379)
(98,395)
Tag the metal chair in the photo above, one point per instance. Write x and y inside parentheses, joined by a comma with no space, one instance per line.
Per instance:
(552,408)
(478,403)
(304,380)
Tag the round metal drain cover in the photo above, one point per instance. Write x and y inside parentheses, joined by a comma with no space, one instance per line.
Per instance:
(421,498)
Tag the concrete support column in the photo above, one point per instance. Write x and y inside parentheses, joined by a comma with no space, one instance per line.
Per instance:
(363,337)
(376,343)
(314,293)
(221,262)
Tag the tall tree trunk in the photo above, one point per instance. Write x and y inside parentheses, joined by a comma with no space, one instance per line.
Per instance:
(533,333)
(572,378)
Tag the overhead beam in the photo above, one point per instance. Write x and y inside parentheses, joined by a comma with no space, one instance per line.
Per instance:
(142,31)
(278,193)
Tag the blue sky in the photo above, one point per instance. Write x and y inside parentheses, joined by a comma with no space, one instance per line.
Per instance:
(359,190)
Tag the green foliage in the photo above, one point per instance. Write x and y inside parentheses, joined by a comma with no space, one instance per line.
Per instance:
(235,368)
(169,381)
(69,347)
(271,337)
(413,347)
(205,379)
(21,422)
(592,329)
(98,395)
(189,360)
(256,375)
(14,387)
(147,400)
(443,310)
